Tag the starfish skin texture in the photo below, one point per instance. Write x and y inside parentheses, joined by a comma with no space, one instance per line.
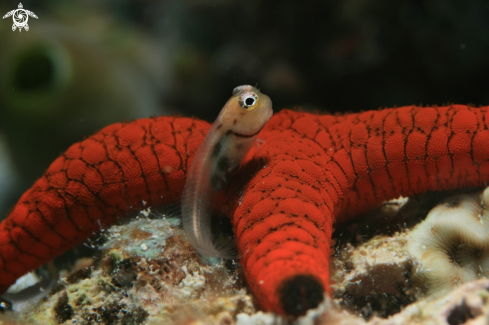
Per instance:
(312,170)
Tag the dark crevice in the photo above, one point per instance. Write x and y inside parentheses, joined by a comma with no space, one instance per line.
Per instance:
(459,315)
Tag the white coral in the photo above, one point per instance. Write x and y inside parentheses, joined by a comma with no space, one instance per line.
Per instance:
(451,246)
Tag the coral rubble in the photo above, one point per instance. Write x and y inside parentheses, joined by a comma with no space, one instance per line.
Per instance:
(149,274)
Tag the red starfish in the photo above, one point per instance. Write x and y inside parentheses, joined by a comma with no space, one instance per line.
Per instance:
(317,168)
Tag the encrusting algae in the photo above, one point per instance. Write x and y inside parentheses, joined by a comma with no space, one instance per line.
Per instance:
(148,274)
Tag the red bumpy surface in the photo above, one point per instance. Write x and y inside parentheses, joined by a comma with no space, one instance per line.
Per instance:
(317,168)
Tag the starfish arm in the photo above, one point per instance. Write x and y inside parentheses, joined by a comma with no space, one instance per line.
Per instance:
(322,168)
(30,13)
(91,184)
(8,14)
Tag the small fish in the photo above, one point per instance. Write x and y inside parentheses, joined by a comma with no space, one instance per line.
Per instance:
(229,140)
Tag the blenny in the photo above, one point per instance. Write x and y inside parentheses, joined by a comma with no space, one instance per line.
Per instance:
(230,138)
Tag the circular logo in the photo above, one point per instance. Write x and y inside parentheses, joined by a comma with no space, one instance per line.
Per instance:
(20,18)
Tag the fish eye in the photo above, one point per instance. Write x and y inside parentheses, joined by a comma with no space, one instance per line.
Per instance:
(248,101)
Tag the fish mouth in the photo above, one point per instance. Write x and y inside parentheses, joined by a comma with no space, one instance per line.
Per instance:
(240,135)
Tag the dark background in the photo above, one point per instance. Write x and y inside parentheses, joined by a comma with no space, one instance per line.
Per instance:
(85,64)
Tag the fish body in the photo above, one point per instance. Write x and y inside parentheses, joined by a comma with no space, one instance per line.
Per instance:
(229,140)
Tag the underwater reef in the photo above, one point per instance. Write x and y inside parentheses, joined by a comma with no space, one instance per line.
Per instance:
(147,273)
(337,56)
